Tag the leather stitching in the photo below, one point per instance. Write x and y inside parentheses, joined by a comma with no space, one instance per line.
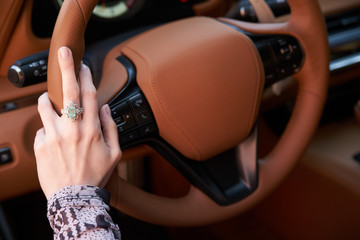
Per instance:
(163,107)
(82,12)
(259,75)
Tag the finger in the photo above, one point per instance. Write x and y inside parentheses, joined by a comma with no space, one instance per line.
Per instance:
(39,138)
(70,85)
(109,128)
(88,93)
(47,113)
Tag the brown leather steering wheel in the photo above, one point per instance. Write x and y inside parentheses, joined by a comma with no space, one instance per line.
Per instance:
(155,64)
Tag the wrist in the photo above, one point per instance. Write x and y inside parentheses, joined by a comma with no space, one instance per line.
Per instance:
(77,209)
(77,196)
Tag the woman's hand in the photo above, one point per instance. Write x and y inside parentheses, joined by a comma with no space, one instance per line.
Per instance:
(75,153)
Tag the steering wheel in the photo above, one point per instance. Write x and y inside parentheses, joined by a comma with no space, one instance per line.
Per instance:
(191,89)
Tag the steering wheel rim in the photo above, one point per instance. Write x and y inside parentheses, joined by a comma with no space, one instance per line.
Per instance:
(306,24)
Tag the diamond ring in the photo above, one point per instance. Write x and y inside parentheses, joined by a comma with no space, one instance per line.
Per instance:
(72,111)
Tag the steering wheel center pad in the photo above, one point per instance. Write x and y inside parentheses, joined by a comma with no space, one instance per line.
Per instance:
(199,67)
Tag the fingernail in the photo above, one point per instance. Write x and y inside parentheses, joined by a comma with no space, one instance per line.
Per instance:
(64,52)
(83,66)
(107,109)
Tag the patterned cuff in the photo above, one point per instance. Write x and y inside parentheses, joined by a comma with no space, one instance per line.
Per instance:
(75,211)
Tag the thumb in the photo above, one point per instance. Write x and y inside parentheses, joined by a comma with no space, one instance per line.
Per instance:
(109,127)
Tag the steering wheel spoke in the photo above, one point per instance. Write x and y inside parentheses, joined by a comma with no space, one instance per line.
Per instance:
(226,178)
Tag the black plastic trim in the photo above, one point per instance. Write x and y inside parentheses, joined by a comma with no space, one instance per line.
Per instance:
(205,174)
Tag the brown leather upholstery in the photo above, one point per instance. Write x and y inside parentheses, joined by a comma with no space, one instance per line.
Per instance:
(21,42)
(9,13)
(19,126)
(20,175)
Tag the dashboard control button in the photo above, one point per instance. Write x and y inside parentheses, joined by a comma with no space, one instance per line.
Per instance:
(123,117)
(122,108)
(132,136)
(119,120)
(34,64)
(147,130)
(129,119)
(138,102)
(5,155)
(127,123)
(144,116)
(115,113)
(121,128)
(123,140)
(9,106)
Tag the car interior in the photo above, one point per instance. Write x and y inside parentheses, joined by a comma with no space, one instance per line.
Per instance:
(238,119)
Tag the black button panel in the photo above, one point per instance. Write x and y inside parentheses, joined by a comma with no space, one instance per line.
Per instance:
(133,118)
(138,102)
(282,57)
(288,56)
(144,116)
(147,130)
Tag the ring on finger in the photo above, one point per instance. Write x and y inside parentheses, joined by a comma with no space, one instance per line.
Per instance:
(72,111)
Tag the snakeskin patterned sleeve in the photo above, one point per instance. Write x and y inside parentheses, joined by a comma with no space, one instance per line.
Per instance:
(80,212)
